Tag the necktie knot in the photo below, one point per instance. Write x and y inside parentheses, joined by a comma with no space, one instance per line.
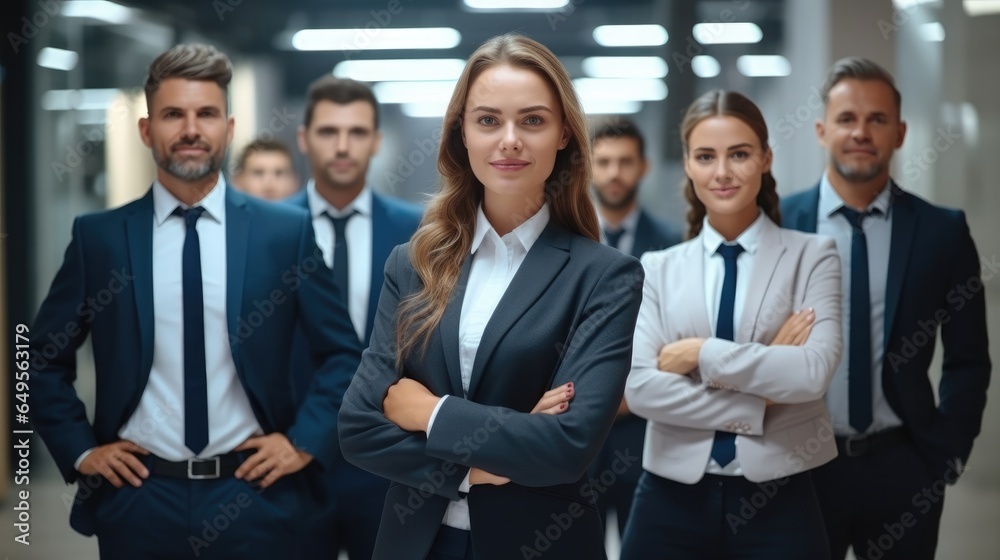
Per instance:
(190,215)
(613,236)
(730,252)
(856,218)
(340,223)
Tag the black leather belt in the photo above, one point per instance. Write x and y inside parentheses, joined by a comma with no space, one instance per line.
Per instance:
(220,466)
(863,444)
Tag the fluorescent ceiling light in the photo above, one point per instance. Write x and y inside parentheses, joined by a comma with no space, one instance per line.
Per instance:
(705,66)
(727,33)
(57,59)
(635,89)
(78,99)
(97,9)
(425,110)
(598,107)
(400,70)
(761,66)
(981,7)
(516,4)
(414,92)
(932,32)
(625,67)
(376,39)
(910,4)
(630,35)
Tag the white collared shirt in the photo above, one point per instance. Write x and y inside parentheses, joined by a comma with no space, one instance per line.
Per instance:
(715,273)
(158,422)
(495,261)
(628,224)
(358,232)
(878,236)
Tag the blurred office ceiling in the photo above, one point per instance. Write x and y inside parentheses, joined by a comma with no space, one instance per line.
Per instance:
(264,28)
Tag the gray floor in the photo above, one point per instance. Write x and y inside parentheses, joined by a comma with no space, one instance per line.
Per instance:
(970,529)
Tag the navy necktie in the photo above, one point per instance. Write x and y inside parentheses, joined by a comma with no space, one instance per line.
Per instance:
(724,444)
(195,379)
(340,260)
(859,365)
(614,236)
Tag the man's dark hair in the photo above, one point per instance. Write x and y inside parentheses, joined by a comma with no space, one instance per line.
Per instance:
(619,128)
(341,91)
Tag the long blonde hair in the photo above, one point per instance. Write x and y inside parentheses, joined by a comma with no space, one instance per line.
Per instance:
(732,104)
(441,244)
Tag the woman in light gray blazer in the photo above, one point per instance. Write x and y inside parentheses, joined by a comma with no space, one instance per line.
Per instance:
(737,339)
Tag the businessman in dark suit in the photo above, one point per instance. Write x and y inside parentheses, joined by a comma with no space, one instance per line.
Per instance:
(619,164)
(356,229)
(910,269)
(190,295)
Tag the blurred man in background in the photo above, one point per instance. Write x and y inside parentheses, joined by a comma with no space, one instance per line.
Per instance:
(265,169)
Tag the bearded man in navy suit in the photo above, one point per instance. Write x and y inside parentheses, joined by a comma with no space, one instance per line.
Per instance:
(190,296)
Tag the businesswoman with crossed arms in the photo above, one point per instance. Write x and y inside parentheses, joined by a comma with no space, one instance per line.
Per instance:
(730,376)
(504,303)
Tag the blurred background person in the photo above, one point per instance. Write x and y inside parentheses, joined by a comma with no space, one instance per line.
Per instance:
(619,164)
(265,169)
(910,268)
(356,229)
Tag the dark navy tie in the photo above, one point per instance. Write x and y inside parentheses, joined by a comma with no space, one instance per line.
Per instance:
(724,444)
(859,365)
(340,260)
(614,236)
(195,379)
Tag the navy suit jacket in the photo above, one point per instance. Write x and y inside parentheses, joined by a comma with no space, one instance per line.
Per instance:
(393,223)
(653,235)
(568,315)
(933,282)
(276,280)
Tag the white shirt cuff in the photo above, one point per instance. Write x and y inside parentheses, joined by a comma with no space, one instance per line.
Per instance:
(79,460)
(465,485)
(434,414)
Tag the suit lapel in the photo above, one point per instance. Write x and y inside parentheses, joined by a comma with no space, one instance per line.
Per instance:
(702,324)
(449,330)
(643,235)
(139,235)
(904,224)
(542,264)
(769,251)
(237,240)
(381,247)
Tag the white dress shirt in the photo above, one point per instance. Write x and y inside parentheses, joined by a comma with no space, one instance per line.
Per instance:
(495,261)
(715,273)
(158,422)
(628,224)
(878,234)
(358,232)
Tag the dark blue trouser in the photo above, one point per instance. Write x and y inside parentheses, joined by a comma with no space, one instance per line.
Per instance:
(174,519)
(725,518)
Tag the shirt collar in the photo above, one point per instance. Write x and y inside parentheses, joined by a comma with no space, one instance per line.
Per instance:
(527,233)
(318,205)
(165,203)
(830,202)
(628,223)
(749,239)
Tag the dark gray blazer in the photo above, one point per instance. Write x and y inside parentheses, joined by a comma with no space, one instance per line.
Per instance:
(568,315)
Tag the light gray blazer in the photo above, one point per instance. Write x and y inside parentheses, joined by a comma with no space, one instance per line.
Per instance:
(734,380)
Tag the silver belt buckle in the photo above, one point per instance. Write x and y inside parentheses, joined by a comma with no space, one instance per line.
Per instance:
(191,463)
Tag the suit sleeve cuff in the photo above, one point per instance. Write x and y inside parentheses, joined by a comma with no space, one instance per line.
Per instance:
(79,460)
